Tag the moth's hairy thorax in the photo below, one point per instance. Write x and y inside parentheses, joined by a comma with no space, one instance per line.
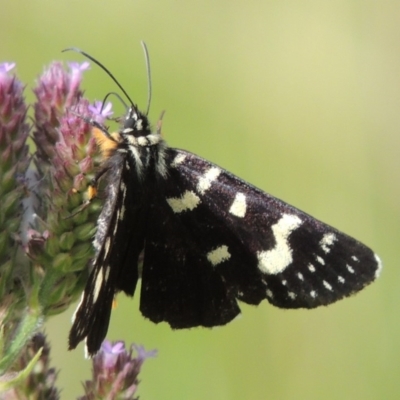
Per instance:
(144,150)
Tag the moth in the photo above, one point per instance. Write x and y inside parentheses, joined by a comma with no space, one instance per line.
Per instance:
(209,240)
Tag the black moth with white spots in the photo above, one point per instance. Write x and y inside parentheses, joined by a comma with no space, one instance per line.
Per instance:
(209,239)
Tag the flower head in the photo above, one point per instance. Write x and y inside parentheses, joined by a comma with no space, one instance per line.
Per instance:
(14,131)
(65,160)
(56,92)
(115,372)
(40,382)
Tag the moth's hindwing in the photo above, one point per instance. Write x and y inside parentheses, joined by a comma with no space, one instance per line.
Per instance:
(213,239)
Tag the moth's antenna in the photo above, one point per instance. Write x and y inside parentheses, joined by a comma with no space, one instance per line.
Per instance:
(104,69)
(147,58)
(117,96)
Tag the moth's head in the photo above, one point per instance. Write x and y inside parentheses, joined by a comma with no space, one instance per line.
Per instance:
(136,123)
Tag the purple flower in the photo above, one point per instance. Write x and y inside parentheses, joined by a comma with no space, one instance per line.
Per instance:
(6,67)
(77,68)
(100,111)
(115,371)
(143,354)
(111,353)
(76,75)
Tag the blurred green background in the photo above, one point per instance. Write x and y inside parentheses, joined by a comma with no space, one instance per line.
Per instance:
(300,98)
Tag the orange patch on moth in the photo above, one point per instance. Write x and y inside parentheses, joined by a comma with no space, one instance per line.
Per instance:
(106,145)
(91,192)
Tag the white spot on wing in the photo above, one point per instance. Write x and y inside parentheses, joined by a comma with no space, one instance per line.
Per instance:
(313,294)
(311,267)
(78,307)
(379,266)
(219,255)
(300,276)
(238,207)
(341,279)
(106,273)
(292,295)
(179,159)
(121,212)
(327,241)
(97,285)
(269,294)
(350,269)
(207,179)
(277,259)
(327,285)
(188,201)
(121,215)
(116,224)
(355,258)
(320,260)
(107,246)
(87,355)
